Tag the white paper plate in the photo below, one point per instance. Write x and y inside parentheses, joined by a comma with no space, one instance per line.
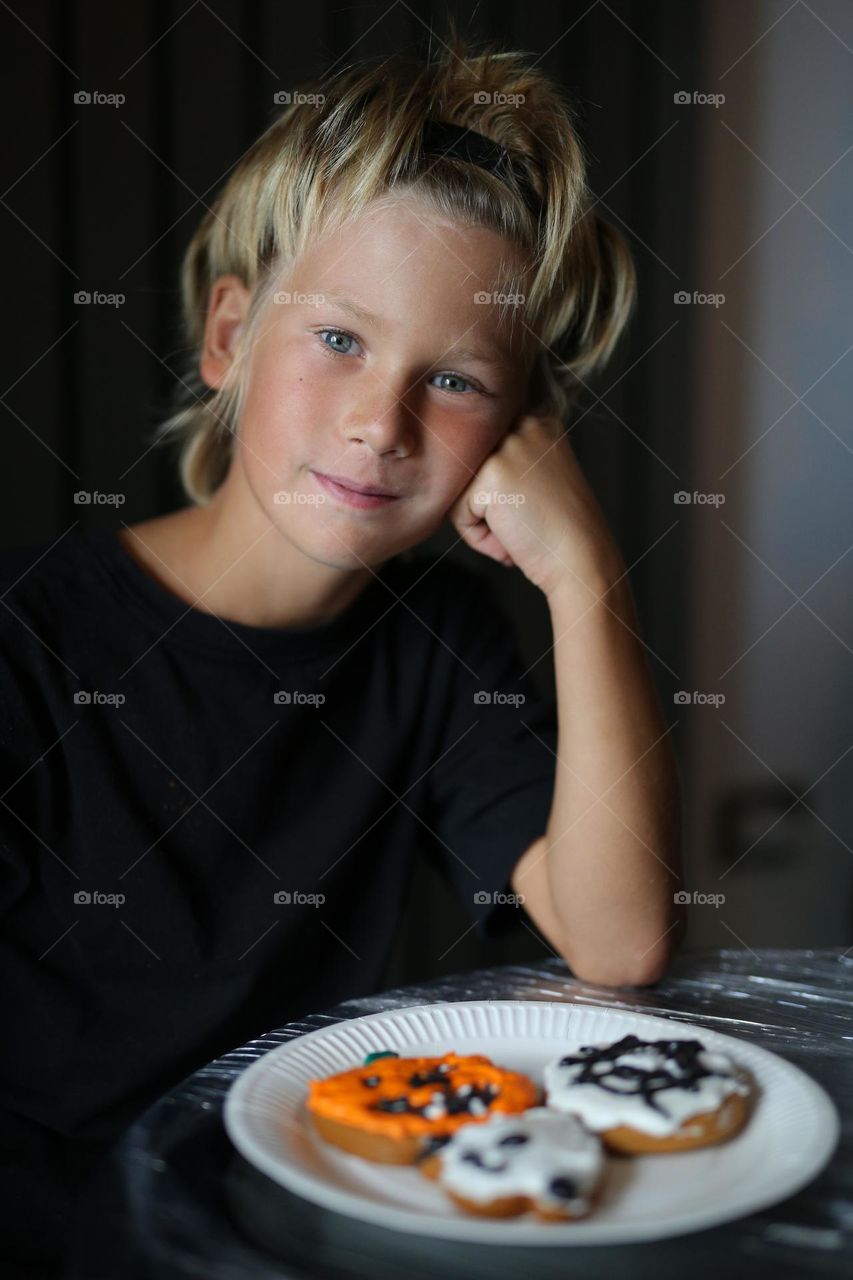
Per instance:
(790,1136)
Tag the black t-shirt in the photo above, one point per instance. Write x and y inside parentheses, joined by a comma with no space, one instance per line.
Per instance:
(207,828)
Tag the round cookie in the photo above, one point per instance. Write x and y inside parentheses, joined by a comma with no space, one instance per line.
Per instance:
(540,1161)
(387,1110)
(645,1096)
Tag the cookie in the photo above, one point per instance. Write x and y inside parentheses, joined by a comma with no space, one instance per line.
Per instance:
(389,1108)
(509,1165)
(644,1096)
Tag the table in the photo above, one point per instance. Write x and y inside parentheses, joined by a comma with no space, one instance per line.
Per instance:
(168,1202)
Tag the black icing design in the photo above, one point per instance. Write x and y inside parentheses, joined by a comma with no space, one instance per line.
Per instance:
(452,1103)
(370,1081)
(396,1106)
(436,1076)
(457,1104)
(683,1069)
(514,1140)
(563,1187)
(474,1157)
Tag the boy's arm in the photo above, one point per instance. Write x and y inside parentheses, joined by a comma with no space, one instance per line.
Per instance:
(601,882)
(606,882)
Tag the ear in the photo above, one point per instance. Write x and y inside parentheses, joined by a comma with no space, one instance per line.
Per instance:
(226,313)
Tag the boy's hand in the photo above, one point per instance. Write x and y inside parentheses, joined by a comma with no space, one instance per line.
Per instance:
(530,505)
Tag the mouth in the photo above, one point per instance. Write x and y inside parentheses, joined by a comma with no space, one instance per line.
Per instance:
(353,494)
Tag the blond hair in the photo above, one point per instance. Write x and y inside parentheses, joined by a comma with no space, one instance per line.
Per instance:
(352,139)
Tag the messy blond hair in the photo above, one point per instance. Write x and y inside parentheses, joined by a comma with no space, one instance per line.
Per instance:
(354,138)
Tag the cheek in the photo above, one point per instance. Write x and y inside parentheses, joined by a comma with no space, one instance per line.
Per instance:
(284,406)
(460,450)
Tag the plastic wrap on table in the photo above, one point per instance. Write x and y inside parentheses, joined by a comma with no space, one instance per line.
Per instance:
(176,1200)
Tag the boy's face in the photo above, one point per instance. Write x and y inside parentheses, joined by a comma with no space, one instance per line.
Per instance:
(411,401)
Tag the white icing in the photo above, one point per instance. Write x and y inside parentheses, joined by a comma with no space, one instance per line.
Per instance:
(556,1146)
(620,1103)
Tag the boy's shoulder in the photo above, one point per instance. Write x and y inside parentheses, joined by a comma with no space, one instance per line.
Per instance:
(59,578)
(33,564)
(44,586)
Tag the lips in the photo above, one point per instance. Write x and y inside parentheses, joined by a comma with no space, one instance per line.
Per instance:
(357,499)
(371,490)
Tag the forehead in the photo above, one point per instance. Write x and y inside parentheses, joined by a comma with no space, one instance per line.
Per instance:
(399,262)
(398,228)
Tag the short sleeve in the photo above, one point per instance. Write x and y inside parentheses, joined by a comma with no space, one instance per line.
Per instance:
(490,788)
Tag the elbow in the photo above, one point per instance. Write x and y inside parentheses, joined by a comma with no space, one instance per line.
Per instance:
(619,972)
(624,970)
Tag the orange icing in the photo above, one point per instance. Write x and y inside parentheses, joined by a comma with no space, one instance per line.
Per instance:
(343,1097)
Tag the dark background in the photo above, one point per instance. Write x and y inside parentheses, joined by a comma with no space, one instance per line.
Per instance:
(106,198)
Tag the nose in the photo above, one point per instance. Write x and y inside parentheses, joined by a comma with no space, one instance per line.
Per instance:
(383,422)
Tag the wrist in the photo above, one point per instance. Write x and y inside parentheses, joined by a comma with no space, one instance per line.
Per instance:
(602,576)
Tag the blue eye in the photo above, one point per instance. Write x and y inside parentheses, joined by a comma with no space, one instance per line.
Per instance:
(458,378)
(336,351)
(336,333)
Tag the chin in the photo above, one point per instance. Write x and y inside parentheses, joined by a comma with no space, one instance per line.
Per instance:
(357,545)
(328,550)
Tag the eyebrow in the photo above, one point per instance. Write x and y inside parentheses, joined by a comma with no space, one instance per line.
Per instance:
(499,360)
